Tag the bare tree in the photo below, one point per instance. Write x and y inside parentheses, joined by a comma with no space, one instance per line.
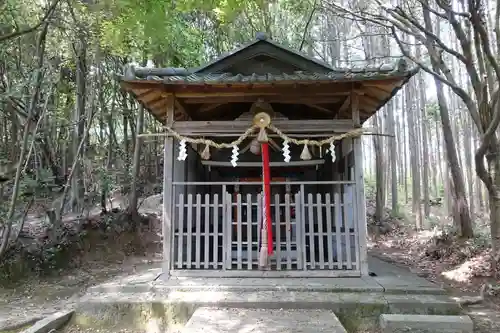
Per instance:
(476,55)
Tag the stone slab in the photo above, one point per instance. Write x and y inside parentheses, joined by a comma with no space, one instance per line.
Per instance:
(389,284)
(422,304)
(408,284)
(260,299)
(223,320)
(50,323)
(392,323)
(399,304)
(244,284)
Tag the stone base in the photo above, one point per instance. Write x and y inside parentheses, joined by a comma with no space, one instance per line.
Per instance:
(391,323)
(356,310)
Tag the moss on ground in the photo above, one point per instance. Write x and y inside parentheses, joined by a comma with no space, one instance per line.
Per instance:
(361,318)
(139,316)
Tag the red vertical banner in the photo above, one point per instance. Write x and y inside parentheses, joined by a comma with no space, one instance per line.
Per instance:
(267,195)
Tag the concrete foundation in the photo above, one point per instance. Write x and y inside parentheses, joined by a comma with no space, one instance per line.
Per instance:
(149,302)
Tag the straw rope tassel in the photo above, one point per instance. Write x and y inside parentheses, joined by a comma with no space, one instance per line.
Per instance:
(263,256)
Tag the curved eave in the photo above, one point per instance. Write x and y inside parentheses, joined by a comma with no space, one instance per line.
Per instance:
(374,92)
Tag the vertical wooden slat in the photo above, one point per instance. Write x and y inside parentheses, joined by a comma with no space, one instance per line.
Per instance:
(239,231)
(175,239)
(259,220)
(338,229)
(207,231)
(277,220)
(224,226)
(310,217)
(180,240)
(228,231)
(328,204)
(197,232)
(303,225)
(189,240)
(350,200)
(347,223)
(216,231)
(249,232)
(288,231)
(298,232)
(320,230)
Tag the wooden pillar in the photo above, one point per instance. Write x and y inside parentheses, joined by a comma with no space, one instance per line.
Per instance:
(168,151)
(359,189)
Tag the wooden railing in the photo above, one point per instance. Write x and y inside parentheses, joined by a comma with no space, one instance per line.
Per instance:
(314,227)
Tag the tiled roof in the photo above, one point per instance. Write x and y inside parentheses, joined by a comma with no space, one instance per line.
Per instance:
(185,76)
(262,38)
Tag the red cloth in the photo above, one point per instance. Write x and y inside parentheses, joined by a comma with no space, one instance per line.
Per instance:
(267,190)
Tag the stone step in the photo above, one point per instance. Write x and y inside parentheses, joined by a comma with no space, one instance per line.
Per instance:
(378,303)
(389,285)
(227,320)
(399,323)
(355,310)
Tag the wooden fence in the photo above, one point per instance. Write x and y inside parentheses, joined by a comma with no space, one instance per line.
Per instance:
(312,231)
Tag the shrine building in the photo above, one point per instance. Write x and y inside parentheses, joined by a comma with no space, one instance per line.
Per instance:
(263,162)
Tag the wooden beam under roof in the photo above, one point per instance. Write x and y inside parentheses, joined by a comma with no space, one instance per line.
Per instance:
(250,98)
(188,90)
(237,127)
(258,164)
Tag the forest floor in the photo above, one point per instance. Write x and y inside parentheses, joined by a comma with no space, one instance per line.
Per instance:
(102,256)
(38,297)
(459,267)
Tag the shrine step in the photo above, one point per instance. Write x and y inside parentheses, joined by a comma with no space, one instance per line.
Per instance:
(391,323)
(173,307)
(228,320)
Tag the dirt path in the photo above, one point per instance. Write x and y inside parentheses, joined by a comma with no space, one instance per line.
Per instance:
(37,298)
(486,316)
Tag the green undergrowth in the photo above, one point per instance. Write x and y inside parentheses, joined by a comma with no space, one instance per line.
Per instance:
(20,262)
(137,317)
(362,318)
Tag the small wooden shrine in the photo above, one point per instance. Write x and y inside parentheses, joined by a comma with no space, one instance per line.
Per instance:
(263,167)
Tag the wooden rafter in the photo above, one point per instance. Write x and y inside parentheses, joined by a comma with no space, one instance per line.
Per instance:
(181,109)
(320,108)
(209,107)
(387,88)
(323,98)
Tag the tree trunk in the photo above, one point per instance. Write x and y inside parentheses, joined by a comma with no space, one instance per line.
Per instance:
(494,202)
(78,119)
(464,222)
(379,174)
(405,148)
(134,194)
(415,172)
(425,153)
(394,171)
